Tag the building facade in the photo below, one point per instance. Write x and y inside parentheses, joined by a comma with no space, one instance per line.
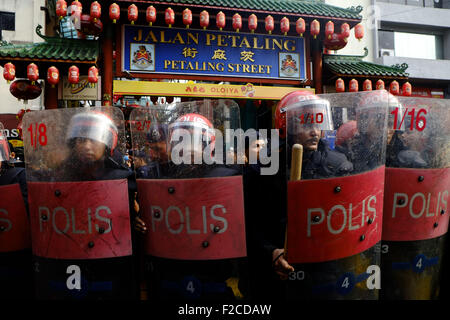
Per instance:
(416,32)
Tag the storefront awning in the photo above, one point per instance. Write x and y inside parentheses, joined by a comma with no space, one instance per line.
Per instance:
(354,66)
(310,8)
(206,90)
(53,49)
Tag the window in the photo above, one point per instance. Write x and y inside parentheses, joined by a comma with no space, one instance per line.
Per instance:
(7,22)
(414,45)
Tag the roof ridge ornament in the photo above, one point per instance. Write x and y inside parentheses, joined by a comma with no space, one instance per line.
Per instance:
(357,9)
(402,66)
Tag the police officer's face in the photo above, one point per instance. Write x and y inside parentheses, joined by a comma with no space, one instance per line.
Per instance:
(89,150)
(309,138)
(158,151)
(255,147)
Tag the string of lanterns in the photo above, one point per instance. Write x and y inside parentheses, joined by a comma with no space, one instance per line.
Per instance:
(237,21)
(30,89)
(394,86)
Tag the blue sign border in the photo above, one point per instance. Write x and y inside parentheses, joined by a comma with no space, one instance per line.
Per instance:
(199,59)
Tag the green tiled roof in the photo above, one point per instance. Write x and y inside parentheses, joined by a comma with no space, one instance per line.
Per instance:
(299,7)
(52,49)
(355,66)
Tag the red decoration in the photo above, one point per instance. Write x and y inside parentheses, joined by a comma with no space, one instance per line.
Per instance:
(329,29)
(220,20)
(353,86)
(61,9)
(132,13)
(252,23)
(169,17)
(367,85)
(270,24)
(96,11)
(150,15)
(76,8)
(359,31)
(407,89)
(204,19)
(315,28)
(394,88)
(340,85)
(25,90)
(336,42)
(284,25)
(53,76)
(300,26)
(93,75)
(114,12)
(187,17)
(74,75)
(32,72)
(237,22)
(345,30)
(380,85)
(9,72)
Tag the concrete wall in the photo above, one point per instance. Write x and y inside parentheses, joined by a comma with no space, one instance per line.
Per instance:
(421,68)
(27,16)
(355,47)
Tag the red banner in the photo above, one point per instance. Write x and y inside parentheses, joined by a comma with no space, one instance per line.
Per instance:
(15,228)
(80,220)
(415,204)
(194,219)
(334,218)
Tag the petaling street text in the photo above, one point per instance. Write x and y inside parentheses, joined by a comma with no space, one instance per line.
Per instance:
(216,66)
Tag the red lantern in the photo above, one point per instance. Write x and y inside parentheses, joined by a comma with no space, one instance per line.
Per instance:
(220,20)
(329,29)
(336,42)
(76,8)
(407,89)
(53,76)
(132,13)
(150,15)
(284,25)
(300,26)
(380,85)
(315,28)
(237,22)
(93,75)
(114,12)
(32,72)
(353,86)
(169,16)
(96,11)
(345,29)
(187,17)
(394,88)
(340,85)
(25,90)
(9,72)
(359,31)
(252,23)
(270,24)
(367,85)
(74,75)
(204,19)
(61,9)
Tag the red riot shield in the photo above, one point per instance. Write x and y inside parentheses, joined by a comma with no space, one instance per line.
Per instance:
(335,195)
(193,211)
(79,204)
(415,221)
(14,226)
